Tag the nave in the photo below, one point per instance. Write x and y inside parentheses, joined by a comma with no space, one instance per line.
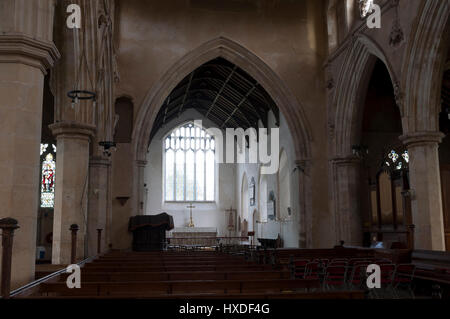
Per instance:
(242,272)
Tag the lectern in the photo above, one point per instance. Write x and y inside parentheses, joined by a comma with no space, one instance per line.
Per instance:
(149,231)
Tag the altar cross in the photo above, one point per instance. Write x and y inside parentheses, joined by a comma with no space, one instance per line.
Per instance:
(191,222)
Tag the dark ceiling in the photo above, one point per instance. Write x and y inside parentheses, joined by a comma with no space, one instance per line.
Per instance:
(223,93)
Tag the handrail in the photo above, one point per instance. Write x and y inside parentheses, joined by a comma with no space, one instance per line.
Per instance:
(44,279)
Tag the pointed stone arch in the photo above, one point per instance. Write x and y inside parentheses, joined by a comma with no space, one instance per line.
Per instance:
(423,67)
(246,60)
(351,89)
(286,101)
(348,101)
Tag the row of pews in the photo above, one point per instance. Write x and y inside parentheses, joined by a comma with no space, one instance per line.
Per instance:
(184,275)
(234,272)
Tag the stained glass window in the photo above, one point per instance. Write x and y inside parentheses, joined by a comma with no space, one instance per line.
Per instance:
(397,161)
(189,157)
(48,169)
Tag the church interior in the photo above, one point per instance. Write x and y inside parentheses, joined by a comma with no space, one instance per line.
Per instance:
(259,149)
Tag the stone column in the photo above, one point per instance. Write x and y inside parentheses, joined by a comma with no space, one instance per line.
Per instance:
(98,202)
(425,182)
(140,186)
(71,187)
(26,52)
(8,226)
(346,172)
(305,219)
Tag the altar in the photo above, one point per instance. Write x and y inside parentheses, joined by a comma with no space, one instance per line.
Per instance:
(203,236)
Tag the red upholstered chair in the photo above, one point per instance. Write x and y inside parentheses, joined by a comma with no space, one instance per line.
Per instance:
(312,270)
(323,262)
(299,268)
(387,279)
(334,263)
(335,277)
(403,279)
(357,275)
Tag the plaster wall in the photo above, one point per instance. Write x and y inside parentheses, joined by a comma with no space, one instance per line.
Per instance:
(204,214)
(288,230)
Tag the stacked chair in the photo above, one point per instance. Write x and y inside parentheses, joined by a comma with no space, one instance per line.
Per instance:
(350,274)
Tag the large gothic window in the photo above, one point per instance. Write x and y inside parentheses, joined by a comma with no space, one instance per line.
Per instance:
(189,161)
(48,169)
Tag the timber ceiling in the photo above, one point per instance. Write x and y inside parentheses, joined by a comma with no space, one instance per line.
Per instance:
(223,93)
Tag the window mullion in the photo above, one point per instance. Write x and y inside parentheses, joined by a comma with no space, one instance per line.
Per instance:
(204,174)
(174,190)
(195,170)
(184,181)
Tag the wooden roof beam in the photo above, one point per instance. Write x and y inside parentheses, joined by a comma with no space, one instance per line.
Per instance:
(186,93)
(221,89)
(239,105)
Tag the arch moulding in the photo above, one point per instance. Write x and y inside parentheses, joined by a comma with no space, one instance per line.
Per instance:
(243,58)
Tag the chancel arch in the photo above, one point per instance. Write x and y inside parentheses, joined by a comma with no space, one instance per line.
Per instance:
(243,58)
(188,75)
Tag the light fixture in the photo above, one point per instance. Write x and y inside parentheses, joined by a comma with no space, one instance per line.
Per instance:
(77,95)
(81,69)
(108,146)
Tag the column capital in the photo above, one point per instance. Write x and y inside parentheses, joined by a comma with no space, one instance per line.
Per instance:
(421,138)
(302,162)
(141,163)
(8,223)
(72,130)
(99,161)
(348,160)
(20,48)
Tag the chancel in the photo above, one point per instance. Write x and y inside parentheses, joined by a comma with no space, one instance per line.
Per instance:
(136,139)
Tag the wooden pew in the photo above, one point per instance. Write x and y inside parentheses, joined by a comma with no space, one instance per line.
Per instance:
(137,268)
(176,276)
(335,295)
(143,289)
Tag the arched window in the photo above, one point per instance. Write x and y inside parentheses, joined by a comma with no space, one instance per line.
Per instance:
(284,184)
(48,169)
(189,165)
